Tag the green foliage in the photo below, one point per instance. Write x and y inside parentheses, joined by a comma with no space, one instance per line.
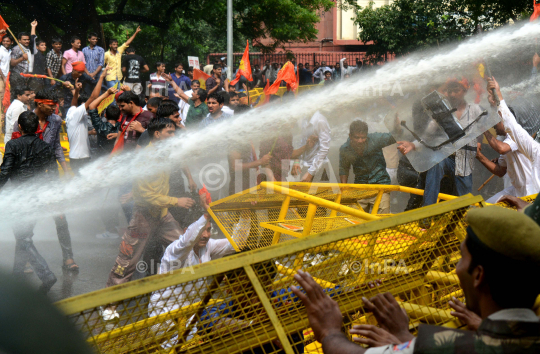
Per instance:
(408,25)
(172,30)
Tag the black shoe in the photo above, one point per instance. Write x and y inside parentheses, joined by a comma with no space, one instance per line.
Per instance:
(48,283)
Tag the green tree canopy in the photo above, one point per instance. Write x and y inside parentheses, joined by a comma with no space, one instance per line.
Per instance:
(171,29)
(407,25)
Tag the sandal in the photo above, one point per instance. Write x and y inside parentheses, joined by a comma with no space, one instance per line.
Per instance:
(73,267)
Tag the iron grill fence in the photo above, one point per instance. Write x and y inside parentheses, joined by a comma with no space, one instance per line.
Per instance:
(331,58)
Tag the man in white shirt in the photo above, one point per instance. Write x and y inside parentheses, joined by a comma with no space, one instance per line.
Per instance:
(315,160)
(346,69)
(18,106)
(77,124)
(319,73)
(77,129)
(511,162)
(5,59)
(525,143)
(193,247)
(183,105)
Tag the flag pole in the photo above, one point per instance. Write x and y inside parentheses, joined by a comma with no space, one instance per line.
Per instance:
(15,38)
(229,39)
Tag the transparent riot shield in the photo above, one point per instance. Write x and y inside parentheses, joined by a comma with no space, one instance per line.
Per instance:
(435,130)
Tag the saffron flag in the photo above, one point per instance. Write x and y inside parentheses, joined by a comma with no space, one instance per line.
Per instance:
(201,76)
(265,91)
(285,74)
(7,94)
(3,26)
(536,12)
(245,67)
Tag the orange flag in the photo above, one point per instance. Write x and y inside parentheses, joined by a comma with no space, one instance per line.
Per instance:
(7,94)
(245,67)
(201,76)
(3,26)
(536,11)
(265,91)
(285,74)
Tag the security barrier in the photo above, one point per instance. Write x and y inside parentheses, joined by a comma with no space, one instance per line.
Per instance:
(275,212)
(255,93)
(243,303)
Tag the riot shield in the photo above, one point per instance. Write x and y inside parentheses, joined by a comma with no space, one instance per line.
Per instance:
(435,130)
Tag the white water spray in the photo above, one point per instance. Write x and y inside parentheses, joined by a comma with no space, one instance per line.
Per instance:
(45,199)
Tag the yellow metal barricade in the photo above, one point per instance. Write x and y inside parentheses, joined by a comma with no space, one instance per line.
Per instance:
(275,212)
(255,93)
(243,302)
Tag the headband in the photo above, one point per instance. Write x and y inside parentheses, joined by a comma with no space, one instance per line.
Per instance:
(47,102)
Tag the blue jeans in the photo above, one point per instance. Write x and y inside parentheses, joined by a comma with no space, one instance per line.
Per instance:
(434,176)
(110,84)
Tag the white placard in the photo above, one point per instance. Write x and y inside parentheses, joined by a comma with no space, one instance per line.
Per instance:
(194,62)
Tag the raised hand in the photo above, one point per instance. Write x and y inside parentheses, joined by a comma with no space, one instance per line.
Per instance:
(167,77)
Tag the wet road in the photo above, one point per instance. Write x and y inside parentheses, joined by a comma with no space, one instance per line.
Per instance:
(94,256)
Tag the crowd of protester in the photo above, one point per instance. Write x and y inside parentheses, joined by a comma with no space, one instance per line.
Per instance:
(165,214)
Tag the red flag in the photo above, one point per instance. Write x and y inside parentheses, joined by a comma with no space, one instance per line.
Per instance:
(201,76)
(536,12)
(7,94)
(245,67)
(285,74)
(3,26)
(265,91)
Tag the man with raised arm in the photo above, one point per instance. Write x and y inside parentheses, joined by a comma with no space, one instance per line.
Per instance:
(525,143)
(113,59)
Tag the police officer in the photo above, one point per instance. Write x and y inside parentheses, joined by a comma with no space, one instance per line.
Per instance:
(499,255)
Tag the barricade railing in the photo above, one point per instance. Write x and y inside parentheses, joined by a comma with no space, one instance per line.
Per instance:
(275,212)
(243,302)
(255,93)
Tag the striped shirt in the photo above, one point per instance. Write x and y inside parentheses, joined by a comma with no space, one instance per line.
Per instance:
(54,62)
(94,57)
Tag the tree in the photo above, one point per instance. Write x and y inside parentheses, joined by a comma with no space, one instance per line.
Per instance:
(409,25)
(279,20)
